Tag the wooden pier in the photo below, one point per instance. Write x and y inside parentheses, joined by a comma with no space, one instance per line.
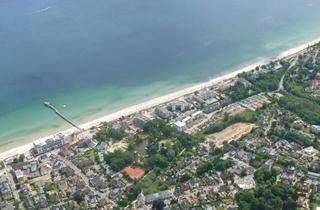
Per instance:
(56,111)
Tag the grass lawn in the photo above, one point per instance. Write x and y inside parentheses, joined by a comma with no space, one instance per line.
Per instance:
(90,154)
(151,183)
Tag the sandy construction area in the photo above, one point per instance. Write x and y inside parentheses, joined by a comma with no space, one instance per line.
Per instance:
(231,133)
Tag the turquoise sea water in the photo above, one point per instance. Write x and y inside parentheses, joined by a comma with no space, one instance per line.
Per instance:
(101,55)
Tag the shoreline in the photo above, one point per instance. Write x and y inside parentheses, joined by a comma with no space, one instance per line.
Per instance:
(161,99)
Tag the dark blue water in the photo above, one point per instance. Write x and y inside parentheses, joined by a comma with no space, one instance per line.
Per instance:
(75,51)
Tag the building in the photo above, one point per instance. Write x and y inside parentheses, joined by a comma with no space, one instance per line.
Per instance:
(179,106)
(159,196)
(163,112)
(211,108)
(19,175)
(313,176)
(141,200)
(179,125)
(5,190)
(197,115)
(243,82)
(44,169)
(315,129)
(310,151)
(186,120)
(198,99)
(139,121)
(41,147)
(246,182)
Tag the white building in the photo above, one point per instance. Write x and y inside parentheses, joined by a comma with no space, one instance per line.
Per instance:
(315,129)
(40,147)
(246,182)
(179,125)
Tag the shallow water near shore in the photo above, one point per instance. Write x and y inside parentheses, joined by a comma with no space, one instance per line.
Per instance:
(93,58)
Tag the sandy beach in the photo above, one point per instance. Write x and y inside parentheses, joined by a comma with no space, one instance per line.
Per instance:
(163,99)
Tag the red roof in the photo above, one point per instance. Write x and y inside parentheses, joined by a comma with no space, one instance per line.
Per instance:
(7,194)
(134,173)
(315,82)
(63,185)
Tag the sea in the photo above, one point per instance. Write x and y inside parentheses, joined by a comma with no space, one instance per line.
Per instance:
(91,58)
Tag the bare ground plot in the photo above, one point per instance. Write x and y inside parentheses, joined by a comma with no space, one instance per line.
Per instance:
(231,133)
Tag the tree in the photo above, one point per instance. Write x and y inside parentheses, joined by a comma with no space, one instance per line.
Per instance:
(204,167)
(157,160)
(266,197)
(78,197)
(158,205)
(21,158)
(185,177)
(110,133)
(221,165)
(119,159)
(262,176)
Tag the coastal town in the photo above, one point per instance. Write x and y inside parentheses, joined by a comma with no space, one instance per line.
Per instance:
(248,142)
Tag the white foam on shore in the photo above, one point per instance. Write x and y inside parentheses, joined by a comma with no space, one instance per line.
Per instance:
(160,100)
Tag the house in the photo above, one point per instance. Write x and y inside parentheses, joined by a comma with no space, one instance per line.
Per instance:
(315,129)
(42,201)
(7,195)
(44,169)
(310,151)
(299,124)
(318,190)
(300,201)
(19,175)
(99,184)
(102,147)
(63,185)
(84,164)
(67,171)
(246,182)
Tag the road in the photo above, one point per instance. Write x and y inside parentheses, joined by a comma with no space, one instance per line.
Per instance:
(269,126)
(280,86)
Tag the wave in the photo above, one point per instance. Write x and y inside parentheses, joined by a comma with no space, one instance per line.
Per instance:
(40,10)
